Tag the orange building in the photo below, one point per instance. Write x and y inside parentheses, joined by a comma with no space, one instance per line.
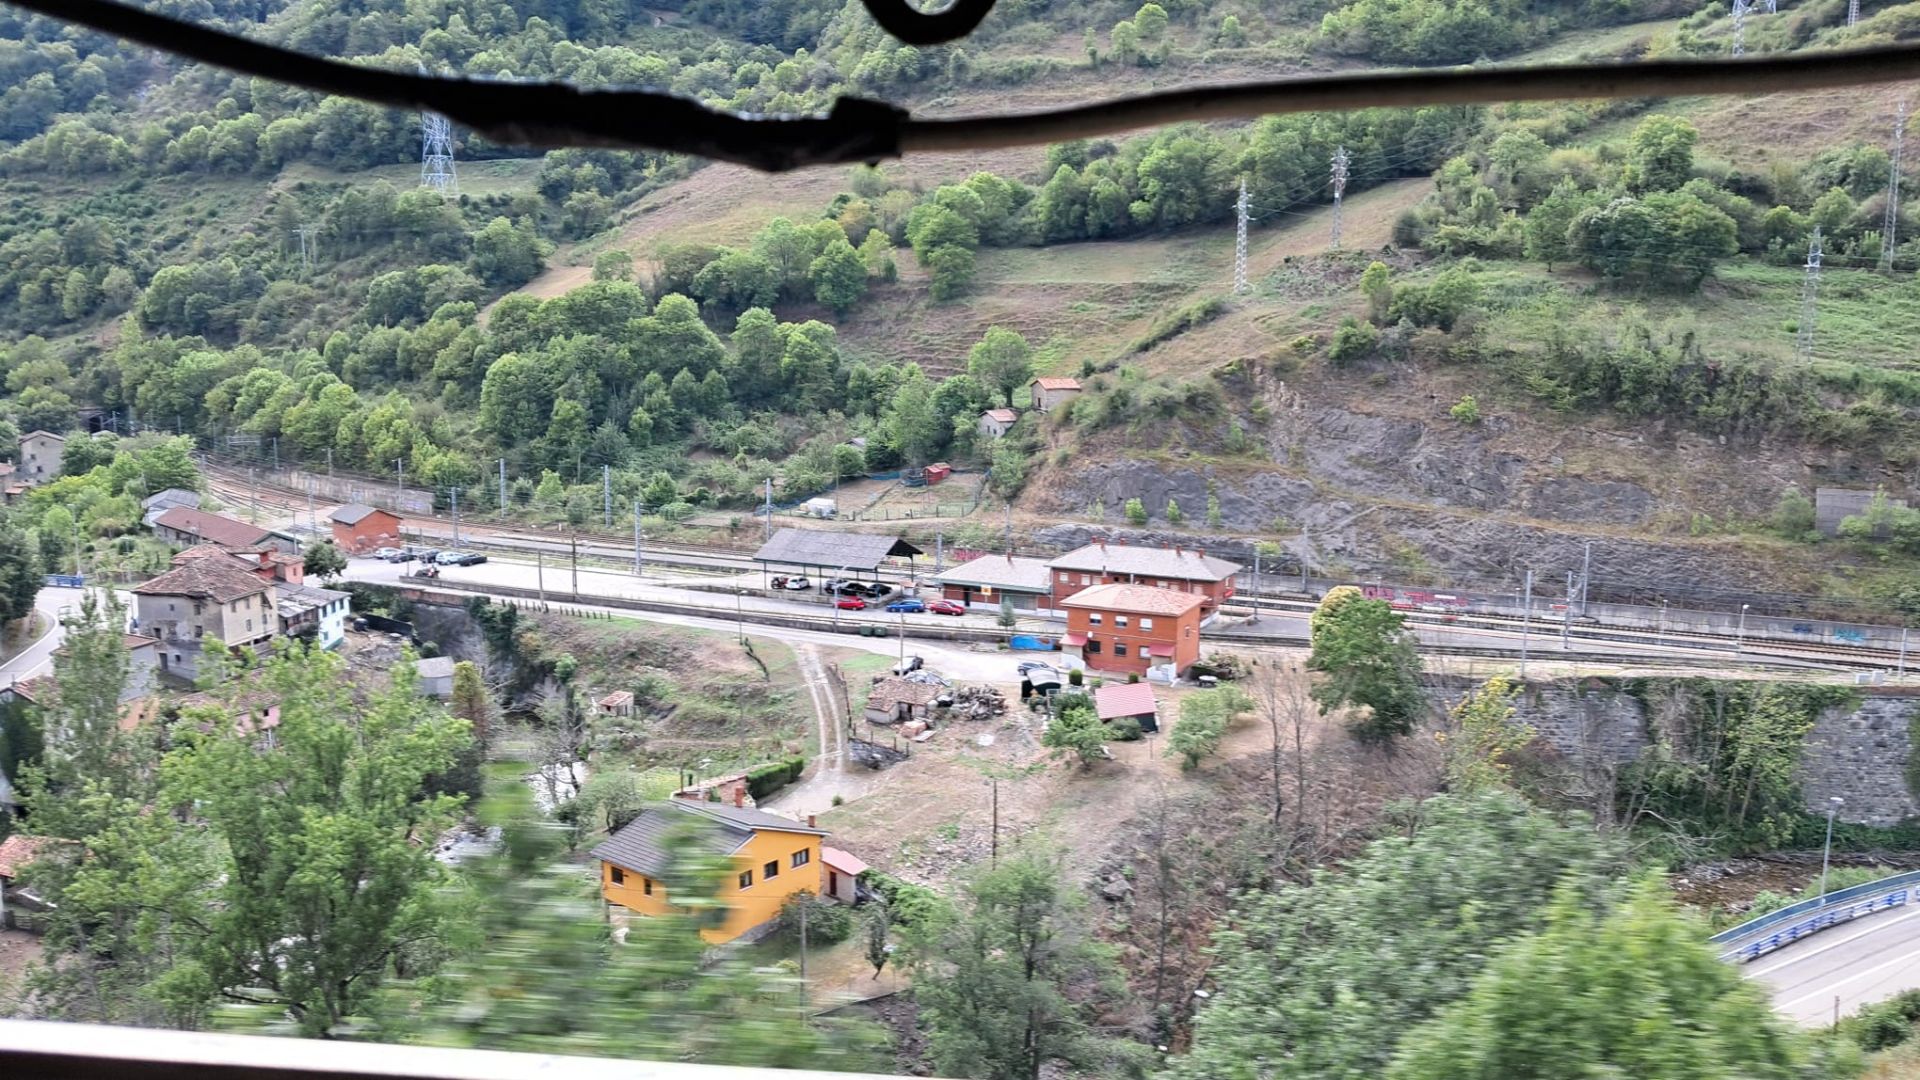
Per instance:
(1130,628)
(358,528)
(773,858)
(1179,569)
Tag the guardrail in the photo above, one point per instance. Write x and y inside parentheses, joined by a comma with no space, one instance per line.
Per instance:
(1777,929)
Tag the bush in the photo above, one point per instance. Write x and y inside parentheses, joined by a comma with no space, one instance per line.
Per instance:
(1124,729)
(907,904)
(1136,512)
(827,922)
(1466,410)
(767,779)
(1076,677)
(1354,340)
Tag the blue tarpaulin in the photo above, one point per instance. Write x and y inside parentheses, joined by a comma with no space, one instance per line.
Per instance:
(1029,643)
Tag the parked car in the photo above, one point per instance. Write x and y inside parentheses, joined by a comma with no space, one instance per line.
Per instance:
(850,603)
(398,555)
(428,555)
(879,589)
(909,607)
(471,558)
(946,607)
(1026,666)
(384,554)
(449,558)
(796,583)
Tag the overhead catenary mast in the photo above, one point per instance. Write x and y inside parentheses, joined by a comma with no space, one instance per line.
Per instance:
(1809,293)
(1890,221)
(1340,174)
(1240,240)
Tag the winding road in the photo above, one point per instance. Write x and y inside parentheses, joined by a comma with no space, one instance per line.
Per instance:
(1836,972)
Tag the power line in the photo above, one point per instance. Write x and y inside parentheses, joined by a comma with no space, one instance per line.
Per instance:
(1809,292)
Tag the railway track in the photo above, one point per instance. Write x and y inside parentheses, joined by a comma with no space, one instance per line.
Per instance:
(238,488)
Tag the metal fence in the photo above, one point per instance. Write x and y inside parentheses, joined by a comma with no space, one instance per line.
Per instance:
(1777,929)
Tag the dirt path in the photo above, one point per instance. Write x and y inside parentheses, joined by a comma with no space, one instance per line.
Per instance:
(830,778)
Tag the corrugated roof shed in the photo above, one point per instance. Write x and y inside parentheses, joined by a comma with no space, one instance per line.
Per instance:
(1001,572)
(354,513)
(1124,699)
(832,550)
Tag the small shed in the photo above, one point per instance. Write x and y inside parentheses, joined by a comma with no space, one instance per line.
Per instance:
(358,528)
(618,703)
(894,700)
(995,423)
(937,472)
(1135,701)
(1049,392)
(436,676)
(823,554)
(843,874)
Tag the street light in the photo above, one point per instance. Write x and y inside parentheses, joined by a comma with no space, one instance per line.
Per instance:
(1740,636)
(739,616)
(1833,805)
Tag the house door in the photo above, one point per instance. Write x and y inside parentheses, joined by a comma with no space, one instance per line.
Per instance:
(833,884)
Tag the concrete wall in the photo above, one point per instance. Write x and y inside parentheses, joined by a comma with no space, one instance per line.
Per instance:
(1857,754)
(1831,506)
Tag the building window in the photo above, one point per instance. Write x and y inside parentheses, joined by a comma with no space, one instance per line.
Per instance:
(1065,578)
(1094,618)
(802,857)
(1084,581)
(1119,648)
(249,626)
(746,879)
(1146,624)
(1093,647)
(1120,622)
(646,886)
(618,875)
(770,871)
(234,606)
(199,607)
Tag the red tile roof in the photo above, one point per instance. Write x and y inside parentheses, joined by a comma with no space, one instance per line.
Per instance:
(844,861)
(217,528)
(1144,599)
(16,852)
(208,578)
(1141,560)
(1053,383)
(1124,699)
(1004,416)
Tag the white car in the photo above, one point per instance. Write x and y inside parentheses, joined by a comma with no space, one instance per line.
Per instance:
(797,584)
(385,554)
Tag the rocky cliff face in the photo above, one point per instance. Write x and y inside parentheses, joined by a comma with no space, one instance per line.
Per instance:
(1378,484)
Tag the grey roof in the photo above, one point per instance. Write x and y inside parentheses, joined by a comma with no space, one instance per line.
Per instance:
(1182,564)
(293,601)
(172,497)
(434,667)
(832,550)
(641,846)
(1002,572)
(353,513)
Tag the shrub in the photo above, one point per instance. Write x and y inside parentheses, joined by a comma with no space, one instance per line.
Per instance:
(1076,677)
(767,779)
(1124,729)
(908,904)
(1466,410)
(827,922)
(1136,512)
(1354,340)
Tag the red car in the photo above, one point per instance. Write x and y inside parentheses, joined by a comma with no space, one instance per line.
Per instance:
(850,603)
(946,607)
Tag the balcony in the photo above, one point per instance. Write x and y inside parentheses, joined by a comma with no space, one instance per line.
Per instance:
(46,1051)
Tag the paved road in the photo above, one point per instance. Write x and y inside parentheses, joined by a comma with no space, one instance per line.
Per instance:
(37,658)
(1862,962)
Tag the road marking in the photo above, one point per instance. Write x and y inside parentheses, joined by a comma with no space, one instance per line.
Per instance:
(1913,912)
(1827,991)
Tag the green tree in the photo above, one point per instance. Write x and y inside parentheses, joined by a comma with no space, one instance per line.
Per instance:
(877,918)
(1660,153)
(1009,980)
(1793,514)
(1369,659)
(1546,225)
(917,428)
(324,561)
(1135,511)
(1353,340)
(1394,936)
(1452,294)
(839,276)
(471,702)
(1376,284)
(1482,733)
(614,265)
(1075,730)
(20,572)
(1832,212)
(951,270)
(1635,992)
(506,254)
(1006,617)
(1204,718)
(1175,516)
(1001,361)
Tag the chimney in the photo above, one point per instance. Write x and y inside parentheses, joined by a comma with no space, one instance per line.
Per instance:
(1121,540)
(810,824)
(740,796)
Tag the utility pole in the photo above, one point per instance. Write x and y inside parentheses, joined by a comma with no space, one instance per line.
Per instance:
(639,560)
(1890,221)
(456,517)
(1340,163)
(540,570)
(306,234)
(276,453)
(399,481)
(253,492)
(767,533)
(1586,564)
(1526,624)
(329,462)
(1809,295)
(1240,241)
(1566,613)
(575,542)
(1740,26)
(503,487)
(996,822)
(606,497)
(939,549)
(1008,541)
(312,520)
(1902,673)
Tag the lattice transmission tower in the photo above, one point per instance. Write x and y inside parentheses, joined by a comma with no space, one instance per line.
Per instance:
(1740,9)
(1809,294)
(436,155)
(1340,174)
(1890,222)
(1240,240)
(1853,12)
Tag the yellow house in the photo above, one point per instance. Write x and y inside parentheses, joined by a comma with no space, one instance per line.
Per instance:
(773,858)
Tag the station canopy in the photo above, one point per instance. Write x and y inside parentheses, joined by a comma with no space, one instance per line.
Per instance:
(817,549)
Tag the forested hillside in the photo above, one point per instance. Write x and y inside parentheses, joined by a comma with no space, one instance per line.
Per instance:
(228,257)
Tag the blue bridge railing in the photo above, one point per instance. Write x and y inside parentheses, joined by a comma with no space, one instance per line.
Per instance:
(1776,929)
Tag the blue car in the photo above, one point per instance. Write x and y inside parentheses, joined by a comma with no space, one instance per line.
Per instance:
(910,607)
